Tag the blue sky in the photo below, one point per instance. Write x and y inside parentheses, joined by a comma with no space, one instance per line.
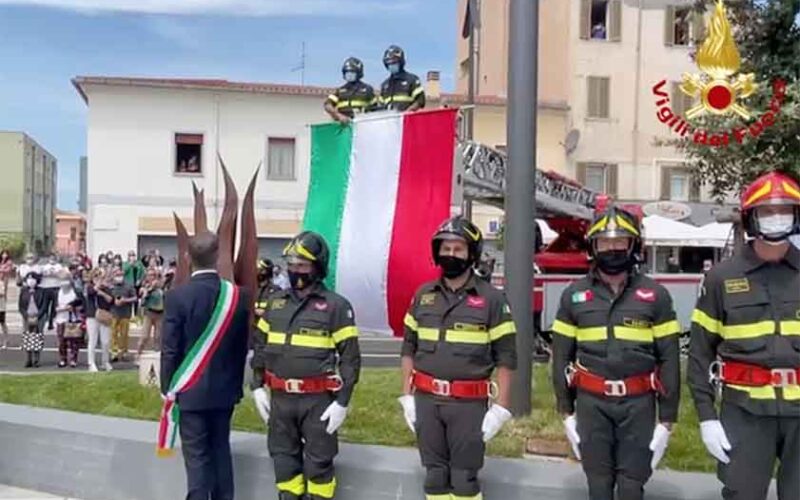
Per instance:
(44,43)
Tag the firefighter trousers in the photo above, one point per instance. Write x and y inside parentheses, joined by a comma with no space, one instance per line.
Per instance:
(615,444)
(301,449)
(451,446)
(756,442)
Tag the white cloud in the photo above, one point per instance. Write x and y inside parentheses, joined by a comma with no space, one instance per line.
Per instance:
(339,8)
(180,33)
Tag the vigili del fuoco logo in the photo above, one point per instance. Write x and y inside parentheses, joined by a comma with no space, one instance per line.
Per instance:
(720,89)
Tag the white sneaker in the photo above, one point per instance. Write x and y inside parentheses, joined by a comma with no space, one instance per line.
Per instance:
(108,367)
(92,368)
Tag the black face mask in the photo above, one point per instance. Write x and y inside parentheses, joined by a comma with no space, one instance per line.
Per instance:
(452,267)
(300,281)
(614,261)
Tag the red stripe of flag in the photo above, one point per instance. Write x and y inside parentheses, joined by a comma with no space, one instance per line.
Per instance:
(423,202)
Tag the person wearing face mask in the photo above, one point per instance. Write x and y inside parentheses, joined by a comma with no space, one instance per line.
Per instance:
(124,298)
(306,364)
(401,91)
(27,267)
(354,96)
(458,330)
(52,277)
(31,307)
(746,343)
(68,332)
(616,367)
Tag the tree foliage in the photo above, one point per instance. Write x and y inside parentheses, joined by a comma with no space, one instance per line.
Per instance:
(767,33)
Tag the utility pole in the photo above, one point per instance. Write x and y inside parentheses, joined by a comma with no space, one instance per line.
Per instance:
(473,11)
(523,44)
(302,66)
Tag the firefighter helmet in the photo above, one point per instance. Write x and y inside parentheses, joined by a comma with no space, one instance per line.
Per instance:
(615,222)
(394,54)
(458,228)
(773,188)
(310,247)
(355,65)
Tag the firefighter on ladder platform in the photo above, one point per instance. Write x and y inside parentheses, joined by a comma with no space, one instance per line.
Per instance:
(296,387)
(354,96)
(616,368)
(401,91)
(457,331)
(746,343)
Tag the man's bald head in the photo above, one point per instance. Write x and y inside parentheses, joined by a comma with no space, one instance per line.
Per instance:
(204,249)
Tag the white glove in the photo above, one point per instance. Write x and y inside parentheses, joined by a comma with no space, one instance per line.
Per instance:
(262,401)
(571,430)
(409,410)
(493,421)
(659,444)
(335,415)
(715,440)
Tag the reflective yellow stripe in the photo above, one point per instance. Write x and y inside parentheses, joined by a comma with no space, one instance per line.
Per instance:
(501,330)
(666,329)
(428,334)
(323,490)
(479,496)
(315,341)
(706,321)
(398,98)
(345,333)
(334,98)
(598,226)
(439,497)
(622,222)
(634,334)
(748,331)
(410,322)
(758,194)
(791,327)
(564,329)
(261,305)
(352,103)
(295,485)
(276,338)
(417,91)
(466,337)
(263,325)
(591,334)
(790,393)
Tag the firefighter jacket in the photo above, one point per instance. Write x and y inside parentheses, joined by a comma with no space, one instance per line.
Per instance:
(460,335)
(400,91)
(352,98)
(308,337)
(617,337)
(263,296)
(748,311)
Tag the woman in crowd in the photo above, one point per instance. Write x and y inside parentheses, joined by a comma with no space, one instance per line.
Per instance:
(68,324)
(32,309)
(99,302)
(152,296)
(7,271)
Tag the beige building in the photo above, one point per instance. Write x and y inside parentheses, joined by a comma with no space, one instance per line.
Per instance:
(598,61)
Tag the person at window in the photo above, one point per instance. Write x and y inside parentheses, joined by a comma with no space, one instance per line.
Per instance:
(402,91)
(599,31)
(354,96)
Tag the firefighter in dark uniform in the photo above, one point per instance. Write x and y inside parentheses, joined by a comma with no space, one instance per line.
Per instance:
(265,286)
(746,342)
(306,363)
(354,96)
(616,368)
(402,91)
(457,331)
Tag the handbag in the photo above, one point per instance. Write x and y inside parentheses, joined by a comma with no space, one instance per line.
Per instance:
(103,317)
(73,329)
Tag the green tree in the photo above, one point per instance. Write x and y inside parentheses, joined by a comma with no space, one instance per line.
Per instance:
(767,33)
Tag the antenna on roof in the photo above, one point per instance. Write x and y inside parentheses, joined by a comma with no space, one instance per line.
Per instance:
(302,67)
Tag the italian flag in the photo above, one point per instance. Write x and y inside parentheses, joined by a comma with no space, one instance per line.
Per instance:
(379,189)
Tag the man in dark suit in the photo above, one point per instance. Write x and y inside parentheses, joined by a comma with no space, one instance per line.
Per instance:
(206,407)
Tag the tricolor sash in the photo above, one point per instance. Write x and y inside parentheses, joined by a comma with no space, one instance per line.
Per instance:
(194,364)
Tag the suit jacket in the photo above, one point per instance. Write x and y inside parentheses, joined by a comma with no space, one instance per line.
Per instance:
(188,310)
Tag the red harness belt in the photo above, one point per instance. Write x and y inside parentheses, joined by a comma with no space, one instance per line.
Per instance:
(632,386)
(466,389)
(311,385)
(734,372)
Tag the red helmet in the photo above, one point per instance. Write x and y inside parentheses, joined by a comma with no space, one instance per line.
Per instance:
(773,188)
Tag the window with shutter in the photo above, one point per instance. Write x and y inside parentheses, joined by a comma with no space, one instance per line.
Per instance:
(615,20)
(188,154)
(682,26)
(280,159)
(665,176)
(598,96)
(585,27)
(598,18)
(611,180)
(681,103)
(669,22)
(698,28)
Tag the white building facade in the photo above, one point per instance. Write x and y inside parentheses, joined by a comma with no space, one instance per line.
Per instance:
(148,140)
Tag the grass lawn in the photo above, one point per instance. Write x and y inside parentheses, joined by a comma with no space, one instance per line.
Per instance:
(375,415)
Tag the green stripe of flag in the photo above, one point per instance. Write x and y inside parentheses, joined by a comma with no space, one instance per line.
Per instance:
(330,168)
